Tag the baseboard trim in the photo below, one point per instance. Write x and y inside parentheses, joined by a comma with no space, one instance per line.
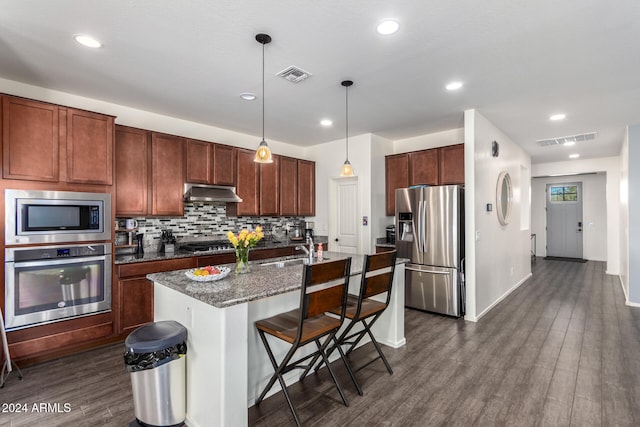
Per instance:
(624,291)
(398,344)
(496,302)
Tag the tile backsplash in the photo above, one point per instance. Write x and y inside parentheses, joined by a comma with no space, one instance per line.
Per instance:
(206,221)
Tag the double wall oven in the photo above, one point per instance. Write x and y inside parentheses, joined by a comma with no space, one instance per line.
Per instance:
(50,274)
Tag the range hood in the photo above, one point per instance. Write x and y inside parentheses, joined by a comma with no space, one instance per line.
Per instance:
(210,193)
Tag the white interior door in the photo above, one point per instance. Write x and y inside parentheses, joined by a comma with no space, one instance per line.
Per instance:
(344,213)
(564,220)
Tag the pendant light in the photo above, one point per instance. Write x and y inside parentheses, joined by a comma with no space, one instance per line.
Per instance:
(347,170)
(263,153)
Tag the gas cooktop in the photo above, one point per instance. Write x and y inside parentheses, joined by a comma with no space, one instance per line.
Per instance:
(207,246)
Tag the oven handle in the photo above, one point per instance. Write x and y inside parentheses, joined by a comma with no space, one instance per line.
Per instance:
(53,262)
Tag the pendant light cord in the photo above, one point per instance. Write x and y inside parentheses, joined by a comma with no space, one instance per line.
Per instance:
(347,114)
(263,91)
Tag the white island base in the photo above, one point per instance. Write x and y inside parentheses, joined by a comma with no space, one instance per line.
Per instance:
(227,365)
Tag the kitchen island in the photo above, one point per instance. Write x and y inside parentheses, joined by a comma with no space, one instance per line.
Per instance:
(227,366)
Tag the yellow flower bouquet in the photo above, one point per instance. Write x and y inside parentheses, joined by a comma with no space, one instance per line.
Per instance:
(242,242)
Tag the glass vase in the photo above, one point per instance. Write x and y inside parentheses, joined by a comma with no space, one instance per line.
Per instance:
(242,261)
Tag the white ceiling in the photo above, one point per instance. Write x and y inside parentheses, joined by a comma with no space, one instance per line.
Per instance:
(520,61)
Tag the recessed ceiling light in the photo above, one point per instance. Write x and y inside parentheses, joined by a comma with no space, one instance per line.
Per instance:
(388,26)
(87,41)
(326,122)
(557,117)
(248,96)
(574,156)
(454,86)
(569,143)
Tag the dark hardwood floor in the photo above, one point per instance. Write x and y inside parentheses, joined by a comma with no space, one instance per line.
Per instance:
(562,350)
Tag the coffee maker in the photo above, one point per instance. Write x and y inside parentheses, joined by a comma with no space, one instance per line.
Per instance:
(308,229)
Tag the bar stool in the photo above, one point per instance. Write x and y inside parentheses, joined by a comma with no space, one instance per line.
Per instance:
(324,288)
(377,278)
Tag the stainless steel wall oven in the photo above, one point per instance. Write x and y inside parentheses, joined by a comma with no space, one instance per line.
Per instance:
(45,284)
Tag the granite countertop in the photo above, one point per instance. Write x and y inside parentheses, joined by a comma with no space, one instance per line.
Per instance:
(160,256)
(261,282)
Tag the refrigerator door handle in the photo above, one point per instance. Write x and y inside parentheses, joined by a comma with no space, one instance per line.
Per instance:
(424,226)
(422,270)
(418,225)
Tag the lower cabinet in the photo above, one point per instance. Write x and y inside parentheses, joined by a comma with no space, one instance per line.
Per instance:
(135,293)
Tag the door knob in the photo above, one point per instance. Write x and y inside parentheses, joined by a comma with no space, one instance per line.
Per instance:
(336,239)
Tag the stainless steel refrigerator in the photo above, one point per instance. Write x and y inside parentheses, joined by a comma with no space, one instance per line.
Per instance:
(430,232)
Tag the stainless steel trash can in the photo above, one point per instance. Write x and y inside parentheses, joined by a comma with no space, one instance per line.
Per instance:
(155,356)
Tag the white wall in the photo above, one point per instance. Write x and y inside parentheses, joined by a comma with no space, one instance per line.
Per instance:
(633,203)
(594,213)
(624,214)
(147,120)
(366,154)
(611,166)
(498,257)
(380,147)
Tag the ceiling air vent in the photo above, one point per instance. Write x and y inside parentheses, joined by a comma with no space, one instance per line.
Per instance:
(294,74)
(571,139)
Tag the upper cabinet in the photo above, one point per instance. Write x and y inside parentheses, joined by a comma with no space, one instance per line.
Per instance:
(199,162)
(35,133)
(285,187)
(167,174)
(288,186)
(247,185)
(210,163)
(306,188)
(451,163)
(396,176)
(30,140)
(150,173)
(436,166)
(269,187)
(133,153)
(89,147)
(423,167)
(224,165)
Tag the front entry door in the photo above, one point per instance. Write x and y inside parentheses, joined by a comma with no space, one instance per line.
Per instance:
(564,220)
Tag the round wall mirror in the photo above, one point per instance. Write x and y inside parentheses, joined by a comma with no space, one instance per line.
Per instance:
(504,196)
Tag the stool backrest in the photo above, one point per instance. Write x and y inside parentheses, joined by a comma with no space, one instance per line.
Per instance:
(377,274)
(324,287)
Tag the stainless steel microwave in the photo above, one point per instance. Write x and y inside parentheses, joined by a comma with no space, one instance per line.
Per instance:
(33,216)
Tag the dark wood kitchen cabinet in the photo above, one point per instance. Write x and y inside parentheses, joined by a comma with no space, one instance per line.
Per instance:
(423,167)
(288,186)
(210,163)
(270,187)
(135,292)
(306,188)
(34,134)
(150,173)
(396,176)
(451,165)
(89,147)
(199,161)
(224,164)
(167,175)
(30,140)
(247,185)
(436,166)
(133,151)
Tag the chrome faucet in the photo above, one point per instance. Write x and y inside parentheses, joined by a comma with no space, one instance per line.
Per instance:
(308,251)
